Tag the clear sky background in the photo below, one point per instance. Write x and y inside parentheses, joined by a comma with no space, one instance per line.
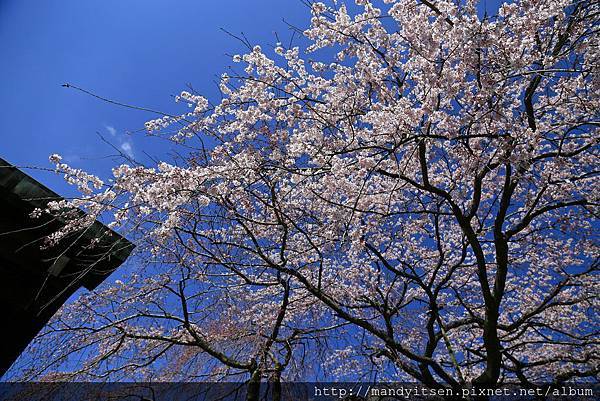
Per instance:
(140,52)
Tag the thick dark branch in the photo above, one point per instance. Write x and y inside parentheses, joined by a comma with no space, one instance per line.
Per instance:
(532,215)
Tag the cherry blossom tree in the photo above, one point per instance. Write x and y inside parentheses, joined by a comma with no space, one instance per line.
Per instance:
(411,197)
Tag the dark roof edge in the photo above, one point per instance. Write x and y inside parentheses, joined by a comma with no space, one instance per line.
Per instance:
(37,195)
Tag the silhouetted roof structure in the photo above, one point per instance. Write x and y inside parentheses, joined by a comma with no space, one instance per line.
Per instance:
(35,281)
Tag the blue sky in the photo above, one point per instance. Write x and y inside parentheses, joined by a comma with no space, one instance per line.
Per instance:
(136,51)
